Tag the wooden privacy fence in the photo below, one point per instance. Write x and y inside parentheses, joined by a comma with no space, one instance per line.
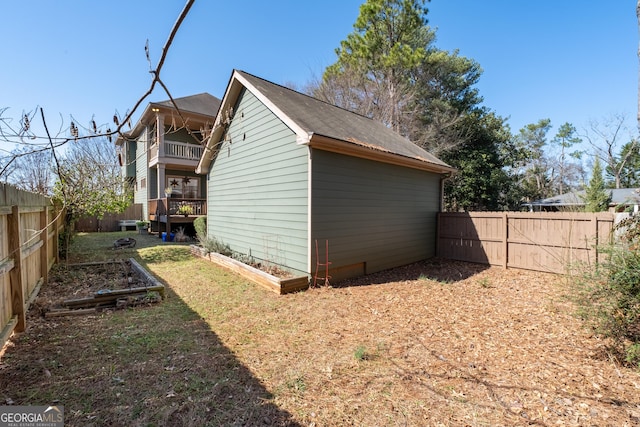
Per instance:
(110,222)
(28,248)
(541,241)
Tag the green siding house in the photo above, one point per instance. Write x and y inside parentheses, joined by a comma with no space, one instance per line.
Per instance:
(287,173)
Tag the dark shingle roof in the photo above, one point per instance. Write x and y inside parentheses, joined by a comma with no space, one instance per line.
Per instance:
(619,196)
(324,119)
(202,103)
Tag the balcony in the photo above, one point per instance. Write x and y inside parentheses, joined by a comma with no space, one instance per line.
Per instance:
(158,210)
(175,152)
(181,150)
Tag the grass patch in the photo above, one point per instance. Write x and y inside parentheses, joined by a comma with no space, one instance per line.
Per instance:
(160,365)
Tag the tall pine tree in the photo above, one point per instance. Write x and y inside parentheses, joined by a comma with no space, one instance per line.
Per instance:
(390,70)
(596,197)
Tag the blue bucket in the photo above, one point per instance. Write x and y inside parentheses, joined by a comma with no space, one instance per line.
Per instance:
(171,236)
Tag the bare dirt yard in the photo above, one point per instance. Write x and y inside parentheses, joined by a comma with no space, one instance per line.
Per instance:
(436,343)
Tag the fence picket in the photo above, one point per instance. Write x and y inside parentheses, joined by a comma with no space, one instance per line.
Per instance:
(541,241)
(28,249)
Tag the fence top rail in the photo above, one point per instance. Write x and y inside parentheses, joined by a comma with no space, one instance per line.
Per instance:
(10,195)
(605,216)
(473,214)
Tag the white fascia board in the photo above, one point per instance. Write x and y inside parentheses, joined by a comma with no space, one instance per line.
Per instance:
(302,136)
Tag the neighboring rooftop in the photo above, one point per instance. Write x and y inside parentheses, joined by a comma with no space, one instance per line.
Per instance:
(202,103)
(619,196)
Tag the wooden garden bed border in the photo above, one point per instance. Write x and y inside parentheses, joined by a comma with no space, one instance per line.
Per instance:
(273,283)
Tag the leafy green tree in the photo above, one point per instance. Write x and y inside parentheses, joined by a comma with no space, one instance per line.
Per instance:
(445,94)
(389,69)
(376,62)
(596,197)
(482,183)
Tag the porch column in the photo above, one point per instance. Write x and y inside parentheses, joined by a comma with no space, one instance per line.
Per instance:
(160,134)
(161,181)
(161,196)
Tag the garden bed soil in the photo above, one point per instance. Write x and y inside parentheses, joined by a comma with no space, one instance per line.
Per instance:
(93,286)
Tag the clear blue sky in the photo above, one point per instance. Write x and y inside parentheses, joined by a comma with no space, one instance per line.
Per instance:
(567,60)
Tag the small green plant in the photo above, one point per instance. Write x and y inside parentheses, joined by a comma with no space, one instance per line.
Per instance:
(200,225)
(243,258)
(142,224)
(185,210)
(361,353)
(297,385)
(485,282)
(633,355)
(609,296)
(214,245)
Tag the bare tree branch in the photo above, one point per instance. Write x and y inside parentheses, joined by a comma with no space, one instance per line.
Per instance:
(605,138)
(156,71)
(53,151)
(182,118)
(8,133)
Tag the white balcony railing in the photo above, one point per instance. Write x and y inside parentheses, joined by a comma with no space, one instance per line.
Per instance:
(181,150)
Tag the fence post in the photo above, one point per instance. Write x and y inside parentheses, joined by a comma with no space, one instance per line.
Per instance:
(505,238)
(15,276)
(596,238)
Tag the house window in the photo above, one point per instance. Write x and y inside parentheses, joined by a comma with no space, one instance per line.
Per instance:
(183,187)
(143,183)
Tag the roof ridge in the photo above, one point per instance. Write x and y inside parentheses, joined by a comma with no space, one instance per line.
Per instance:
(185,97)
(308,96)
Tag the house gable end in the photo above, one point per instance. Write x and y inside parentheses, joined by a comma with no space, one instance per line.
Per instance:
(324,126)
(257,187)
